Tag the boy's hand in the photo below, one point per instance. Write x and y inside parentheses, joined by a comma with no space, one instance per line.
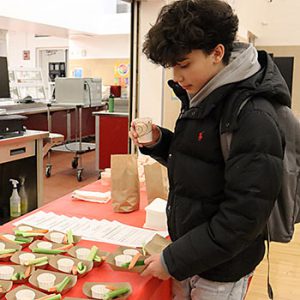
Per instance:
(134,136)
(155,268)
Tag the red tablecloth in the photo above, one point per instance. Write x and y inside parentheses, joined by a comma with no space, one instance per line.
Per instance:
(144,288)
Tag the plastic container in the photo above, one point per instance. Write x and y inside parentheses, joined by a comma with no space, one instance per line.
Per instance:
(6,272)
(25,294)
(46,280)
(15,200)
(131,252)
(57,237)
(105,178)
(23,196)
(111,103)
(44,245)
(122,259)
(99,291)
(65,265)
(82,253)
(25,257)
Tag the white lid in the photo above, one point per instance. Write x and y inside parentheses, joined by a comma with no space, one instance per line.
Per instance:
(157,205)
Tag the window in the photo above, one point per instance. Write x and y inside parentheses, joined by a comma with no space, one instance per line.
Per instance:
(122,7)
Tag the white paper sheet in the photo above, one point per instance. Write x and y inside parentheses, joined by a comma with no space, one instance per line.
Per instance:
(112,232)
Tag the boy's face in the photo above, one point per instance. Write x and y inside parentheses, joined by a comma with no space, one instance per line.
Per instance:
(197,68)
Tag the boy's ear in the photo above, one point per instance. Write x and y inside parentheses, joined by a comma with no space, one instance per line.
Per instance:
(218,53)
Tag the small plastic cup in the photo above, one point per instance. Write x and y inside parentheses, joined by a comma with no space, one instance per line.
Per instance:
(99,291)
(25,294)
(82,253)
(44,245)
(105,178)
(6,272)
(143,127)
(122,259)
(2,246)
(131,252)
(65,265)
(46,280)
(25,228)
(25,257)
(57,237)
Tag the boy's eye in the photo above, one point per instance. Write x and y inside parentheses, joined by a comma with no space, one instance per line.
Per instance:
(184,66)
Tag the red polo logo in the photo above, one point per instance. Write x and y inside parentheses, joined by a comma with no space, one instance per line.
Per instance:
(200,136)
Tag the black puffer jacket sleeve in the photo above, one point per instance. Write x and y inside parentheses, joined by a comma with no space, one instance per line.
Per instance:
(160,151)
(253,175)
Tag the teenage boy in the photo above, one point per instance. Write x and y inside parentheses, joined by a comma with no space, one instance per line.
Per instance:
(217,210)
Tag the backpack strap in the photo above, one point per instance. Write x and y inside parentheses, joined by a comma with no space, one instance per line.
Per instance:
(226,137)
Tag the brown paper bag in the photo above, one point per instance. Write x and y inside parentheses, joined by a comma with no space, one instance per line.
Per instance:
(156,180)
(125,186)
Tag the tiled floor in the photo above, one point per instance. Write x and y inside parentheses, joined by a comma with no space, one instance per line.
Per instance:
(63,179)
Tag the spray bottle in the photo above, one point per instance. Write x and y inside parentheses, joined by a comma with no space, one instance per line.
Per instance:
(15,200)
(23,196)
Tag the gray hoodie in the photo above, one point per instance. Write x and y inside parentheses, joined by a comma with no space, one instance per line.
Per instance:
(242,65)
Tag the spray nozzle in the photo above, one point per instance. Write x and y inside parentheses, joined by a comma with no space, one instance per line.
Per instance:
(14,182)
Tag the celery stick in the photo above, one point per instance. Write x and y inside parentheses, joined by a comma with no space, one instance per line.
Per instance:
(47,251)
(21,239)
(92,254)
(55,297)
(70,237)
(7,251)
(60,286)
(97,258)
(81,268)
(18,276)
(28,234)
(36,261)
(138,263)
(116,293)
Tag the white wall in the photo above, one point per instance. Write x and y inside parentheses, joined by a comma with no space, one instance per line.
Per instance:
(105,46)
(151,76)
(93,16)
(19,41)
(108,46)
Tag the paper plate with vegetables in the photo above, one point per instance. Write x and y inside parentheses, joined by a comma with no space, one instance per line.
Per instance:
(70,265)
(15,273)
(27,231)
(8,237)
(127,259)
(7,249)
(52,282)
(25,292)
(93,254)
(49,248)
(62,238)
(107,290)
(30,259)
(5,287)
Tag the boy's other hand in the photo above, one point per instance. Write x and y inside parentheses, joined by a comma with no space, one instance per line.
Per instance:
(155,268)
(134,136)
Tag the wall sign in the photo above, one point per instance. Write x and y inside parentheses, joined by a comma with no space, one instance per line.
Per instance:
(26,54)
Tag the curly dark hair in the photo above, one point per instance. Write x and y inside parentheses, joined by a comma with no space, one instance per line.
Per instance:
(186,25)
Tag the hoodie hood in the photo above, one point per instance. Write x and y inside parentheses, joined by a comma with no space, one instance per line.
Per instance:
(242,65)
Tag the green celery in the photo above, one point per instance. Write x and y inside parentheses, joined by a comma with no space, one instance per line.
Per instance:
(37,261)
(7,251)
(116,293)
(70,237)
(47,251)
(92,253)
(60,286)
